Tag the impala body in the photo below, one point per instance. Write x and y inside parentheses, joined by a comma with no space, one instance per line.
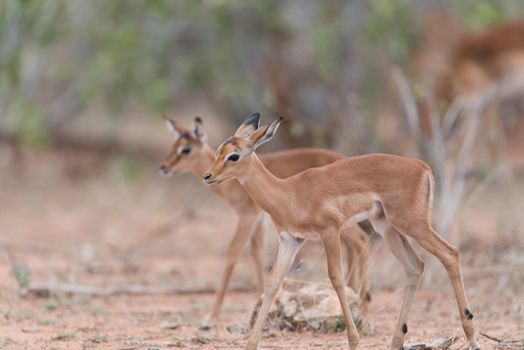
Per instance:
(191,153)
(393,192)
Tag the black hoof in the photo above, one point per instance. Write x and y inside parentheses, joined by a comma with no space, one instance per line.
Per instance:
(468,314)
(404,328)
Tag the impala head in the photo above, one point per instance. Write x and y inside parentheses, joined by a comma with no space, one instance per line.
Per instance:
(233,157)
(186,149)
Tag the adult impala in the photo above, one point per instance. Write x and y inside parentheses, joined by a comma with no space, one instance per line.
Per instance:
(191,153)
(393,192)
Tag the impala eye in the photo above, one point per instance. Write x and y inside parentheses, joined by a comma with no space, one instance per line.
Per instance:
(233,158)
(185,150)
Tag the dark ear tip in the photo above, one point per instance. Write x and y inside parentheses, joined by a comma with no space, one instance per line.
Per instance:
(253,119)
(198,119)
(254,116)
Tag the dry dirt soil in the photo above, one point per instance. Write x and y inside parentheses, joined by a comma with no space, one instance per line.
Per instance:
(113,222)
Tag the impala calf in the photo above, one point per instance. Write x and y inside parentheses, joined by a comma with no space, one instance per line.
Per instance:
(393,192)
(191,153)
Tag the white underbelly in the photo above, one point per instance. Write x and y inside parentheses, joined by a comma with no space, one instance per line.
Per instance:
(310,236)
(356,219)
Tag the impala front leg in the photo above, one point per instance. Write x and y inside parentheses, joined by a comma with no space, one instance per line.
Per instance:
(287,250)
(257,253)
(242,234)
(331,242)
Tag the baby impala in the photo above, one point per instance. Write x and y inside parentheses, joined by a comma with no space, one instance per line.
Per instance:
(393,192)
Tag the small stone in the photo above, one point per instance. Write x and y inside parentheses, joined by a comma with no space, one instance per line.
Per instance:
(308,306)
(168,325)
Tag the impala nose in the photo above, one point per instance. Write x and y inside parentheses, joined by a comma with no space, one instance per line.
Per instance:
(207,177)
(163,170)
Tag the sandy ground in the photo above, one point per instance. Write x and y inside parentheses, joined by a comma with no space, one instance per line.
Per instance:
(81,221)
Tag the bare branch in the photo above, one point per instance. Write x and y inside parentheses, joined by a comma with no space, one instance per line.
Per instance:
(409,103)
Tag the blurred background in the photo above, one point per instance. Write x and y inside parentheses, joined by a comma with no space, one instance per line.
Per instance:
(84,84)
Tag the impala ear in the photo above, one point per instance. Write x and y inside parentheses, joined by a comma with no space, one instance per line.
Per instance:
(198,130)
(265,133)
(248,126)
(172,126)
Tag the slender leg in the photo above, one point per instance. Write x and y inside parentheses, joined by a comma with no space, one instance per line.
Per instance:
(242,234)
(449,256)
(257,253)
(331,242)
(414,268)
(363,264)
(288,248)
(352,261)
(356,242)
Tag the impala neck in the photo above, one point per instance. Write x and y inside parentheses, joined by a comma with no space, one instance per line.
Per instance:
(203,163)
(208,156)
(263,187)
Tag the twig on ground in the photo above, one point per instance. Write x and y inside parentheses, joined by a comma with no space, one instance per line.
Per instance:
(45,289)
(439,344)
(505,344)
(490,337)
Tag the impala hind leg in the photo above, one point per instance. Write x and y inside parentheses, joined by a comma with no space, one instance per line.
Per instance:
(331,243)
(413,268)
(449,256)
(242,234)
(287,250)
(257,253)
